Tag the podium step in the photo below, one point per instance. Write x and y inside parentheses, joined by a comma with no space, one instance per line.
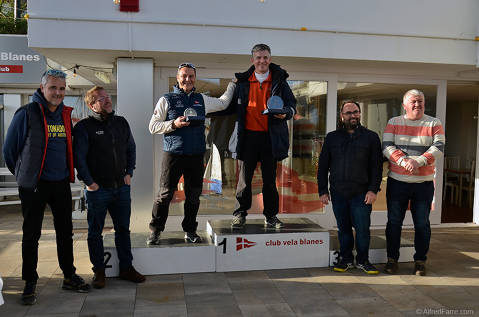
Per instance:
(172,255)
(300,243)
(377,250)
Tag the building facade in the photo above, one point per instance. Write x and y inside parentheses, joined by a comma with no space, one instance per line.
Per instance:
(371,50)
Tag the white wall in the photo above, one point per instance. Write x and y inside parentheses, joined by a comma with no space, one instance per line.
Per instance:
(429,31)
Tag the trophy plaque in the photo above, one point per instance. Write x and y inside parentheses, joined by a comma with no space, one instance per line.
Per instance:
(275,105)
(193,117)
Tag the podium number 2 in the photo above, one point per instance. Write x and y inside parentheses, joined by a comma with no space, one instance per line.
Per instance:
(107,256)
(223,243)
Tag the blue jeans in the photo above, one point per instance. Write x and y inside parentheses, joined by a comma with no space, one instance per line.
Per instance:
(352,212)
(118,203)
(398,195)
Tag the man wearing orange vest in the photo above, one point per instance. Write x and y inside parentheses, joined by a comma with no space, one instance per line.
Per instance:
(260,138)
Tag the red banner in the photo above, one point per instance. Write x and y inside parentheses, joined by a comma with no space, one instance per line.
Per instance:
(11,69)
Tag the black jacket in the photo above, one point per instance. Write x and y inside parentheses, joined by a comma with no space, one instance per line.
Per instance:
(354,162)
(104,150)
(277,128)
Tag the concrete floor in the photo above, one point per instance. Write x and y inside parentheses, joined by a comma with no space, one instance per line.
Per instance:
(451,287)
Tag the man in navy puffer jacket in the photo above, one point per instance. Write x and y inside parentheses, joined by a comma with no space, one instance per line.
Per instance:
(38,151)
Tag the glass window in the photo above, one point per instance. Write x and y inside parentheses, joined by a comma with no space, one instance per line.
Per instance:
(299,194)
(379,103)
(296,175)
(220,177)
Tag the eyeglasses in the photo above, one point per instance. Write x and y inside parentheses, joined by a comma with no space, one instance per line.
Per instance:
(102,99)
(189,65)
(350,113)
(55,73)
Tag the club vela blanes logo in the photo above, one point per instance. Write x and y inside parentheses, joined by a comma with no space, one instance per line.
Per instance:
(242,243)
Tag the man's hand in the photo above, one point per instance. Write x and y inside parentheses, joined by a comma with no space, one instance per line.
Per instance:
(280,116)
(370,198)
(127,179)
(93,187)
(324,199)
(411,165)
(180,122)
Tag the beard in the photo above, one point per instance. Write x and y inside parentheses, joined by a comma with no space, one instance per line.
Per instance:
(350,124)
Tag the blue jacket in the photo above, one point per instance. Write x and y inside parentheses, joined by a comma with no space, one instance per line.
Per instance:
(189,140)
(26,143)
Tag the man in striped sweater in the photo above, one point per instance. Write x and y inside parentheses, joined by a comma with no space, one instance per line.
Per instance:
(412,143)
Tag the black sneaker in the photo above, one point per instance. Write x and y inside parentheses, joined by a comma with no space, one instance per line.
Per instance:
(367,267)
(192,237)
(154,238)
(238,221)
(419,268)
(343,266)
(29,297)
(76,283)
(273,222)
(391,266)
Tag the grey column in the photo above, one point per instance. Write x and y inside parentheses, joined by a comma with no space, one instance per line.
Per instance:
(135,100)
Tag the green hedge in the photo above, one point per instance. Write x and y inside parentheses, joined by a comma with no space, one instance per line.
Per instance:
(9,26)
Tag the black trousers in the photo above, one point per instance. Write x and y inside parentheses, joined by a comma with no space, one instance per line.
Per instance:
(257,148)
(173,166)
(58,196)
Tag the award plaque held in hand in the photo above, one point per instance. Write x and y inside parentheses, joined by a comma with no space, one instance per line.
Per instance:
(275,105)
(192,117)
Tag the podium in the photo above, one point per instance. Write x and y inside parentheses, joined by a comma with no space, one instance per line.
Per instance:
(172,255)
(300,243)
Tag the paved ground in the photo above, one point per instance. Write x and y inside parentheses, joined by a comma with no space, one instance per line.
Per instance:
(451,287)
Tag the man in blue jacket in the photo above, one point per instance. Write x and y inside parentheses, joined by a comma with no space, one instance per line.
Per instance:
(260,138)
(352,156)
(105,157)
(38,151)
(184,147)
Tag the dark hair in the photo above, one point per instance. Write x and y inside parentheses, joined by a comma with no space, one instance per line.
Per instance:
(260,47)
(349,101)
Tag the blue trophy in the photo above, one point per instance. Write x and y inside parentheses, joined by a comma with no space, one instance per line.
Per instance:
(275,105)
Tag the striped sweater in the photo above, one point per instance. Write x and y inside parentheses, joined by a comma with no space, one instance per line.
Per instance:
(422,140)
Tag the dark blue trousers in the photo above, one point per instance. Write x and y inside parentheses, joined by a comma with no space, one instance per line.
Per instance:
(118,203)
(352,212)
(398,195)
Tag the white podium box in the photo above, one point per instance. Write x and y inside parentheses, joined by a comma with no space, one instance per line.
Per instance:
(300,243)
(377,250)
(172,255)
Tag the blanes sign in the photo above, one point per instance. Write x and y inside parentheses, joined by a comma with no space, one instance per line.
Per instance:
(18,63)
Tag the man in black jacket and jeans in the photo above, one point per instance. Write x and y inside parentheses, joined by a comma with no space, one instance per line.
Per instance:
(352,156)
(105,156)
(260,138)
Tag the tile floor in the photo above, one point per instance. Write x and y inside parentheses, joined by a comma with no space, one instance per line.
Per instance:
(451,287)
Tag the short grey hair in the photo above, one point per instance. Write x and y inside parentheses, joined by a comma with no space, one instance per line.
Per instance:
(260,47)
(412,92)
(53,73)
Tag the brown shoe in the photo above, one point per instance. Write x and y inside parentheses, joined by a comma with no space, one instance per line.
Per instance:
(391,266)
(132,275)
(419,268)
(99,279)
